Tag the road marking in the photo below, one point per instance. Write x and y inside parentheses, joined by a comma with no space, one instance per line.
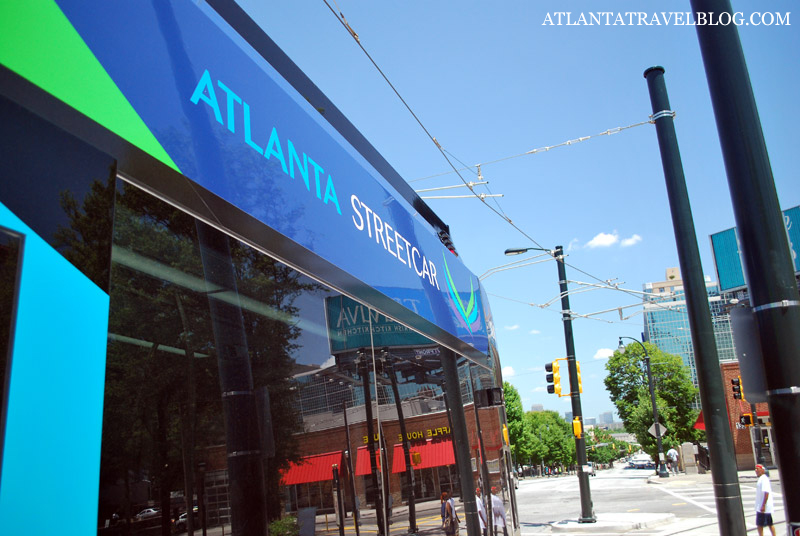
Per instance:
(634,510)
(679,504)
(701,505)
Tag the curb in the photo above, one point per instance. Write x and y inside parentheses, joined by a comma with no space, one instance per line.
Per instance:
(614,523)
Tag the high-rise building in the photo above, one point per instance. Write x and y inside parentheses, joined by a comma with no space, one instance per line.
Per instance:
(537,407)
(606,418)
(568,416)
(666,320)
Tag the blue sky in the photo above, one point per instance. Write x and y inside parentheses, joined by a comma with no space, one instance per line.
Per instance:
(494,80)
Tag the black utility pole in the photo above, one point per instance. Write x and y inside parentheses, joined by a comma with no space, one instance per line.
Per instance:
(587,509)
(768,267)
(363,370)
(486,495)
(662,470)
(458,431)
(709,377)
(352,479)
(412,499)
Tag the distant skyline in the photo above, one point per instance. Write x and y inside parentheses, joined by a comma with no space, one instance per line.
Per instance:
(493,82)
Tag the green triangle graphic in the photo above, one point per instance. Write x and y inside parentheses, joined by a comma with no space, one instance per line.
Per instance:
(39,43)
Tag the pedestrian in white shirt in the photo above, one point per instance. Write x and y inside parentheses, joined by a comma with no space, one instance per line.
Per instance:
(498,513)
(481,510)
(764,502)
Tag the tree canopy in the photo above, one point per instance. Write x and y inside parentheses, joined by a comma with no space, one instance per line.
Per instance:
(627,384)
(537,436)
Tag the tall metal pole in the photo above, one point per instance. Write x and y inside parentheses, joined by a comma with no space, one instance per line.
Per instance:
(458,430)
(352,479)
(412,499)
(768,267)
(486,493)
(662,469)
(587,509)
(709,377)
(364,373)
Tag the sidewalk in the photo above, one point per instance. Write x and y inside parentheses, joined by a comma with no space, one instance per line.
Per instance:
(668,524)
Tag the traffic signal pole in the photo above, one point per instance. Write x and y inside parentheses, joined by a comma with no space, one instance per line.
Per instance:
(768,265)
(587,510)
(709,379)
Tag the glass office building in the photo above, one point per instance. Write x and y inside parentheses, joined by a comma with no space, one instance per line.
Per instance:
(666,321)
(216,295)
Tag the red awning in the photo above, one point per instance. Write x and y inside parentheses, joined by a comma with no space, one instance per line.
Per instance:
(313,468)
(362,461)
(431,454)
(700,424)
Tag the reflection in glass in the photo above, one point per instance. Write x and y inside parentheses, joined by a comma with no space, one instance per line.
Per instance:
(10,257)
(243,389)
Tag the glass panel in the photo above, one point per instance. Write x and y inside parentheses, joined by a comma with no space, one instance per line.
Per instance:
(10,257)
(210,346)
(234,381)
(70,204)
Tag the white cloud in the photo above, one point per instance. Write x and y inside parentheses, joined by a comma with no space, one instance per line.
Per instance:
(508,372)
(603,240)
(331,361)
(538,389)
(534,332)
(635,239)
(512,328)
(603,353)
(573,244)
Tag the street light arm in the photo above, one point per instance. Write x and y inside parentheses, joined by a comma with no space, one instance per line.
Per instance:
(519,251)
(646,355)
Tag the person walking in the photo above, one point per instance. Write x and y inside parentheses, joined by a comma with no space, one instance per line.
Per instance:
(498,513)
(449,515)
(764,502)
(672,456)
(481,510)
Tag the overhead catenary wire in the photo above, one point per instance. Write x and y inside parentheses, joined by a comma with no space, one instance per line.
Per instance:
(544,149)
(446,154)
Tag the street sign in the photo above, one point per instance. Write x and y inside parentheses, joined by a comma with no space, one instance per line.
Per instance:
(661,430)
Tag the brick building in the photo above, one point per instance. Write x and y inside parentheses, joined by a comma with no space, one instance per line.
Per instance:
(743,436)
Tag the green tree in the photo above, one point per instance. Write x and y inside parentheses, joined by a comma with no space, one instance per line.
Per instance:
(627,384)
(554,441)
(518,434)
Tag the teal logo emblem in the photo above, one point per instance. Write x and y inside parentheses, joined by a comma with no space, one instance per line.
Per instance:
(468,312)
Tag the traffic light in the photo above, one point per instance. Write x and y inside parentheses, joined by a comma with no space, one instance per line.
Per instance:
(580,384)
(577,427)
(746,419)
(736,386)
(553,377)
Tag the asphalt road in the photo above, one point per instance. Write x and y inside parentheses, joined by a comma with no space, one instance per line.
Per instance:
(543,501)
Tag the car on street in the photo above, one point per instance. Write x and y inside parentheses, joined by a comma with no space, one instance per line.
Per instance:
(147,513)
(181,523)
(641,461)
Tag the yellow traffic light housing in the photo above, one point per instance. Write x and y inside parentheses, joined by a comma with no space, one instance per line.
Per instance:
(553,377)
(577,427)
(736,387)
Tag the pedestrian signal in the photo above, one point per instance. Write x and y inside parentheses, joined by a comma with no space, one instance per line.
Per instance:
(746,419)
(577,427)
(553,377)
(736,387)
